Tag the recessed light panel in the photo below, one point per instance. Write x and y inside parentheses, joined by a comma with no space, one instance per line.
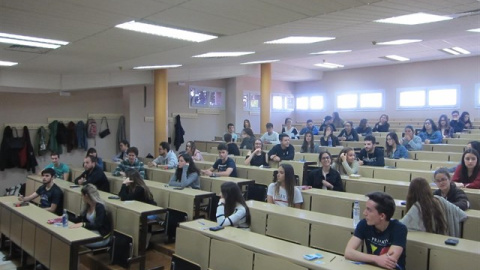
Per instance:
(332,52)
(165,31)
(455,51)
(259,62)
(298,40)
(416,18)
(157,67)
(31,41)
(474,30)
(222,54)
(395,58)
(399,42)
(7,63)
(329,65)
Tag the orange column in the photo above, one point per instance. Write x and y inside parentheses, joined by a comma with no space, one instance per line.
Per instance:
(265,89)
(160,105)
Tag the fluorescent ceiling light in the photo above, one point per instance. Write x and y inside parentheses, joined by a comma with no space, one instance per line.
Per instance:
(332,52)
(7,63)
(329,65)
(259,62)
(165,31)
(396,58)
(157,67)
(475,30)
(416,18)
(399,42)
(298,40)
(455,50)
(222,54)
(42,40)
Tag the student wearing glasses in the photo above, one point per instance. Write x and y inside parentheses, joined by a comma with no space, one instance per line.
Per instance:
(448,190)
(430,133)
(393,147)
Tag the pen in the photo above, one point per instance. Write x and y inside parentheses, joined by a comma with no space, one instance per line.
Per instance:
(396,264)
(201,223)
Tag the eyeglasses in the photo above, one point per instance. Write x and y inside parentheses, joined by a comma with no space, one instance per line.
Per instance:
(428,123)
(440,180)
(325,158)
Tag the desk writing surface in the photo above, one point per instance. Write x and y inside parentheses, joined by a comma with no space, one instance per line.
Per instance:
(159,174)
(437,241)
(271,246)
(262,176)
(215,182)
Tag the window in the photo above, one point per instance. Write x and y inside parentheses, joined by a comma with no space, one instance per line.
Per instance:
(251,101)
(360,100)
(477,95)
(428,97)
(315,103)
(282,102)
(207,97)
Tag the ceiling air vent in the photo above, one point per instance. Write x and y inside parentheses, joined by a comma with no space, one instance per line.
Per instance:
(28,49)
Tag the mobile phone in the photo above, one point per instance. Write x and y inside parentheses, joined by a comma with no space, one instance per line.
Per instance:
(178,188)
(216,228)
(403,202)
(114,197)
(451,241)
(74,186)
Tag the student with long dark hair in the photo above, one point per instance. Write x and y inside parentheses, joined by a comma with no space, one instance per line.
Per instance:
(93,152)
(257,157)
(363,128)
(283,192)
(348,133)
(430,133)
(382,125)
(467,174)
(187,174)
(465,120)
(232,209)
(325,177)
(134,188)
(429,213)
(309,145)
(327,135)
(448,190)
(248,139)
(393,147)
(444,126)
(411,141)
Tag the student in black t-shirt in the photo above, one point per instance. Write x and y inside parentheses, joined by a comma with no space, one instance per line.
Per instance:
(224,166)
(371,155)
(257,157)
(51,196)
(385,238)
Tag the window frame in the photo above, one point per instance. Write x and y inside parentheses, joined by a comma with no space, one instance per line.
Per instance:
(309,100)
(427,90)
(358,93)
(284,97)
(209,90)
(477,95)
(249,108)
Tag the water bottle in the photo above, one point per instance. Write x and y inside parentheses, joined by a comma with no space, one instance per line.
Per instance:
(65,218)
(356,213)
(329,141)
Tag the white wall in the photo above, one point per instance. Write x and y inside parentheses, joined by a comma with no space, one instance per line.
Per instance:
(461,71)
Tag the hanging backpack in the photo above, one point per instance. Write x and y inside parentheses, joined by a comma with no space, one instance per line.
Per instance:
(92,129)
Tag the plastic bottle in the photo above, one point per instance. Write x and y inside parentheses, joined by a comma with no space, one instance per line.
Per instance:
(65,218)
(329,141)
(356,213)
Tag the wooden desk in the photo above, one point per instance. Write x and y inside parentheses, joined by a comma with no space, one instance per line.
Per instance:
(339,203)
(55,247)
(158,174)
(213,183)
(226,243)
(130,217)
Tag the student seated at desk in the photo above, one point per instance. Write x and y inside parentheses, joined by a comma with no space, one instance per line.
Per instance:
(257,157)
(225,166)
(62,170)
(346,163)
(270,137)
(282,151)
(326,177)
(382,125)
(131,163)
(348,133)
(371,155)
(411,141)
(134,189)
(51,196)
(328,139)
(186,174)
(393,147)
(309,145)
(429,213)
(123,155)
(192,150)
(232,147)
(93,174)
(94,216)
(93,152)
(385,238)
(467,174)
(167,158)
(232,209)
(448,190)
(283,192)
(430,133)
(248,139)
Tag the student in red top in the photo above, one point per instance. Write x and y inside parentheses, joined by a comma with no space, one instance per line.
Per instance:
(467,174)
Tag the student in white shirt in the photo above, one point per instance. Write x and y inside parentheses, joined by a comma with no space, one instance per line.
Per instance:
(283,192)
(232,209)
(270,137)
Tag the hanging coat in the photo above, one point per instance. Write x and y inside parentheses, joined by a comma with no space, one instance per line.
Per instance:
(41,142)
(8,157)
(31,160)
(121,132)
(71,137)
(81,132)
(179,132)
(52,143)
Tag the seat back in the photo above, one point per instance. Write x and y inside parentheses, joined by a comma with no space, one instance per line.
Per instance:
(179,263)
(174,217)
(122,249)
(257,192)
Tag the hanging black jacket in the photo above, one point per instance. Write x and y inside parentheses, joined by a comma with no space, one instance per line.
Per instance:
(71,137)
(31,160)
(8,156)
(179,132)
